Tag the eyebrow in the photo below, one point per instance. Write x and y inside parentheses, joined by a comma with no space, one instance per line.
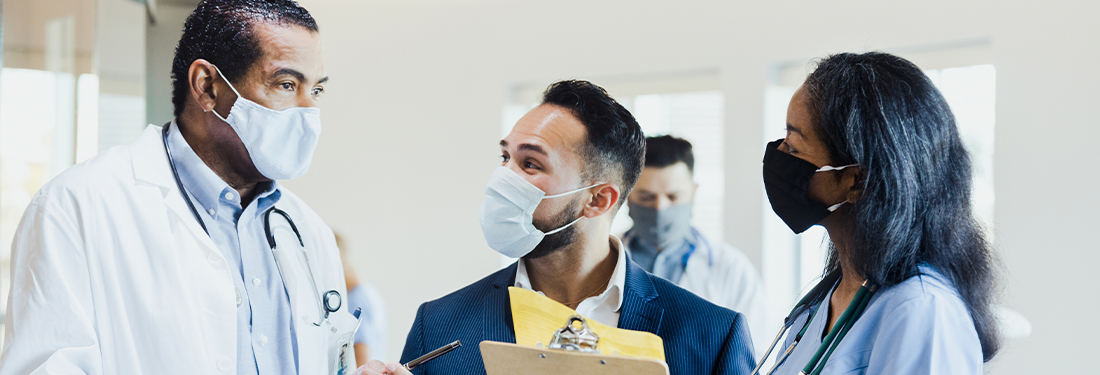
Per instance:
(791,128)
(526,147)
(296,74)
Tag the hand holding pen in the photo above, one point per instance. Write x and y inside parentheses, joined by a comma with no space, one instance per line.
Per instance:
(379,368)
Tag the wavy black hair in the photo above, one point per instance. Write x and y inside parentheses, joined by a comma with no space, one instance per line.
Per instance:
(615,151)
(222,32)
(882,112)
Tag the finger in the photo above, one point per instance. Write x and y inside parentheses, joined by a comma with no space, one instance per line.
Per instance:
(372,368)
(397,369)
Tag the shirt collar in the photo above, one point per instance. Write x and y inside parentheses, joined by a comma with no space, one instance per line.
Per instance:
(206,186)
(613,295)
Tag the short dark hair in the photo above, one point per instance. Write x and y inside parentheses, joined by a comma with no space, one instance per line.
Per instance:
(615,150)
(222,32)
(667,150)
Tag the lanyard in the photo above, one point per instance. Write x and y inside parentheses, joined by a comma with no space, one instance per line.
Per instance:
(840,329)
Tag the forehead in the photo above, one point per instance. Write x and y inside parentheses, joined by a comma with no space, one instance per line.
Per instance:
(799,118)
(672,177)
(550,126)
(289,46)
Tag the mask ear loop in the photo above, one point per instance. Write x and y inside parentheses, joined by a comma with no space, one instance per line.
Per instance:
(563,227)
(562,195)
(220,74)
(829,168)
(571,192)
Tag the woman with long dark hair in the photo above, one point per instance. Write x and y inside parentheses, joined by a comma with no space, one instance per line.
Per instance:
(872,153)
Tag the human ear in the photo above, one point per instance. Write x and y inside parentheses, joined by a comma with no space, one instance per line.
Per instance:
(201,76)
(602,201)
(854,178)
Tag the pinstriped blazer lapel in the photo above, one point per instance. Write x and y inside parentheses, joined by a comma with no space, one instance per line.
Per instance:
(639,312)
(498,321)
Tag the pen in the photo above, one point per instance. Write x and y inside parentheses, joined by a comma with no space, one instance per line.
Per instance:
(433,355)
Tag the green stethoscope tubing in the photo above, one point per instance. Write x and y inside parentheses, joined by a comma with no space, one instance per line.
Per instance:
(840,329)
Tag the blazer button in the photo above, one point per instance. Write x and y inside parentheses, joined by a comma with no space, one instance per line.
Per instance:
(224,364)
(212,258)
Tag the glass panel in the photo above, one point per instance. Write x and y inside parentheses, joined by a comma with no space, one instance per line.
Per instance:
(48,96)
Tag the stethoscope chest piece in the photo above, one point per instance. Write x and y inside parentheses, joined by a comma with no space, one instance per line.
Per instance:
(333,301)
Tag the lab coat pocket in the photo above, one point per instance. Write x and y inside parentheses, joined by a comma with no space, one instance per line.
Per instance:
(340,342)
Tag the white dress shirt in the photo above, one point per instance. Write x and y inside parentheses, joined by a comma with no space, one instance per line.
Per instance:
(603,308)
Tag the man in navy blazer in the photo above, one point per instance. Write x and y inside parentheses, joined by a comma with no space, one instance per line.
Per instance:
(567,166)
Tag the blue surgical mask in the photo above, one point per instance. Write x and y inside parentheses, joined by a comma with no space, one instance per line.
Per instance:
(280,143)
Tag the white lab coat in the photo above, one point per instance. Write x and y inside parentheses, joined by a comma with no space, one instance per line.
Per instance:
(724,276)
(112,274)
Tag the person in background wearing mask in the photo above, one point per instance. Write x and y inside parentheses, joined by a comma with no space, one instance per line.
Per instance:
(181,253)
(566,168)
(370,339)
(664,242)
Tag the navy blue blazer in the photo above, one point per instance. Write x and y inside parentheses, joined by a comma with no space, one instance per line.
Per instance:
(699,337)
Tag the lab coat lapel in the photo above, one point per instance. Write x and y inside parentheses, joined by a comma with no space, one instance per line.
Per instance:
(498,306)
(151,166)
(639,312)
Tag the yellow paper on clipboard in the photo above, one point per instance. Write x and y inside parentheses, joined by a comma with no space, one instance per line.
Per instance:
(536,318)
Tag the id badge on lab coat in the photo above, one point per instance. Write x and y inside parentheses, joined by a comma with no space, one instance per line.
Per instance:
(342,326)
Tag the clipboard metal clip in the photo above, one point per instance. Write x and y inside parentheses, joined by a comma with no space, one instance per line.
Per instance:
(575,337)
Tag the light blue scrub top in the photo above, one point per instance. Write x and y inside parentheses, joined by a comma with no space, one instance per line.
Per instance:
(920,326)
(265,336)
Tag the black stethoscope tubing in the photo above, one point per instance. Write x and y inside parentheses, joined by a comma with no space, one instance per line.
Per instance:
(330,301)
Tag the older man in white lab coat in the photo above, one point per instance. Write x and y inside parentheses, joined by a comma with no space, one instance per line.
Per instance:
(180,253)
(664,242)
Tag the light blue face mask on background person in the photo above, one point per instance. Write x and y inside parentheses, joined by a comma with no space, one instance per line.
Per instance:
(506,213)
(280,143)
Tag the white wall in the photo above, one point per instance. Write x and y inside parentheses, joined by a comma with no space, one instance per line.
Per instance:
(413,114)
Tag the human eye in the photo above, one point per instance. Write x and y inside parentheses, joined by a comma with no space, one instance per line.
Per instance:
(786,143)
(317,91)
(288,86)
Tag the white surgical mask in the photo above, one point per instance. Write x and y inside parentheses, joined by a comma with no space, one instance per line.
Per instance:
(506,213)
(280,143)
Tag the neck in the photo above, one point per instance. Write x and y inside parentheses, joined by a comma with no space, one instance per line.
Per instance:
(850,279)
(207,149)
(575,273)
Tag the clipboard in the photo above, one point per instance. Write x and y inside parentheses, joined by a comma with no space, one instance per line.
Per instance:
(509,359)
(573,350)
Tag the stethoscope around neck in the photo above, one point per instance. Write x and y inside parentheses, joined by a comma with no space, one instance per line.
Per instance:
(840,328)
(327,303)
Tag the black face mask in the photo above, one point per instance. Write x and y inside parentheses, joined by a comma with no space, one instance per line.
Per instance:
(787,181)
